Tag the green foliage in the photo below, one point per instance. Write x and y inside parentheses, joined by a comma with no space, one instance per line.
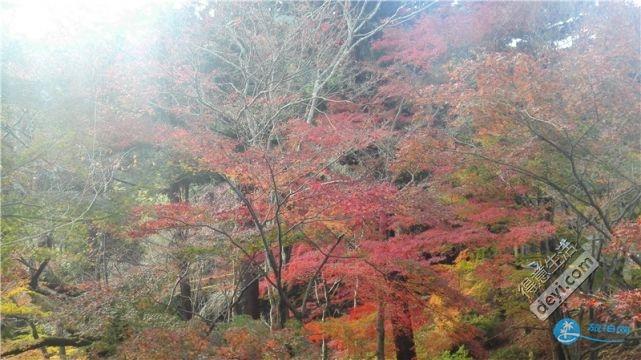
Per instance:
(189,252)
(635,275)
(112,336)
(512,353)
(484,253)
(460,354)
(486,322)
(478,174)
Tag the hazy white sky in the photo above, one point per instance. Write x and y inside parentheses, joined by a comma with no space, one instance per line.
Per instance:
(57,20)
(48,20)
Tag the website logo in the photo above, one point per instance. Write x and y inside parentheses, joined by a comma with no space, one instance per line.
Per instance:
(567,332)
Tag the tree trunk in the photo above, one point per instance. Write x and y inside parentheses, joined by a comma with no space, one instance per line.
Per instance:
(403,334)
(35,276)
(62,352)
(312,106)
(557,348)
(380,331)
(252,307)
(185,307)
(248,286)
(37,272)
(179,192)
(594,351)
(282,313)
(282,310)
(34,333)
(402,323)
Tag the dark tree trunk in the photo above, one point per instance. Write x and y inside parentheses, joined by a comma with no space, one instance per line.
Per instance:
(594,351)
(402,323)
(251,300)
(35,273)
(282,313)
(185,307)
(403,334)
(179,192)
(282,310)
(248,284)
(34,333)
(62,351)
(558,352)
(35,276)
(380,332)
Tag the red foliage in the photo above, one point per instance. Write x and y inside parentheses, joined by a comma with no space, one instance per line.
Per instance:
(626,240)
(436,34)
(622,306)
(160,343)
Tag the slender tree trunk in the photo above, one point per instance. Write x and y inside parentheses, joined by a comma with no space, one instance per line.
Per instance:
(380,331)
(597,246)
(185,307)
(312,106)
(558,349)
(62,352)
(324,352)
(95,243)
(179,192)
(282,310)
(324,349)
(594,353)
(34,333)
(282,313)
(105,261)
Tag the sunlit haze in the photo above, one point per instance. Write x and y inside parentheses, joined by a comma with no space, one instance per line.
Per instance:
(48,21)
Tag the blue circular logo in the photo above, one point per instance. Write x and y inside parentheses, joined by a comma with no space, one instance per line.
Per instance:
(567,331)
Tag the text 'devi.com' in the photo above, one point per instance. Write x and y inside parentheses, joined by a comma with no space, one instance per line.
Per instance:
(561,288)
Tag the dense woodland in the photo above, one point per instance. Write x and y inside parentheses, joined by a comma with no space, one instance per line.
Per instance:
(321,180)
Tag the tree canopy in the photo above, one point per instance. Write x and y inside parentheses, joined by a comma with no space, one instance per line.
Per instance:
(334,180)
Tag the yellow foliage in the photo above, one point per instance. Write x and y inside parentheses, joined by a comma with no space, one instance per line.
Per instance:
(8,308)
(451,198)
(17,302)
(436,300)
(15,291)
